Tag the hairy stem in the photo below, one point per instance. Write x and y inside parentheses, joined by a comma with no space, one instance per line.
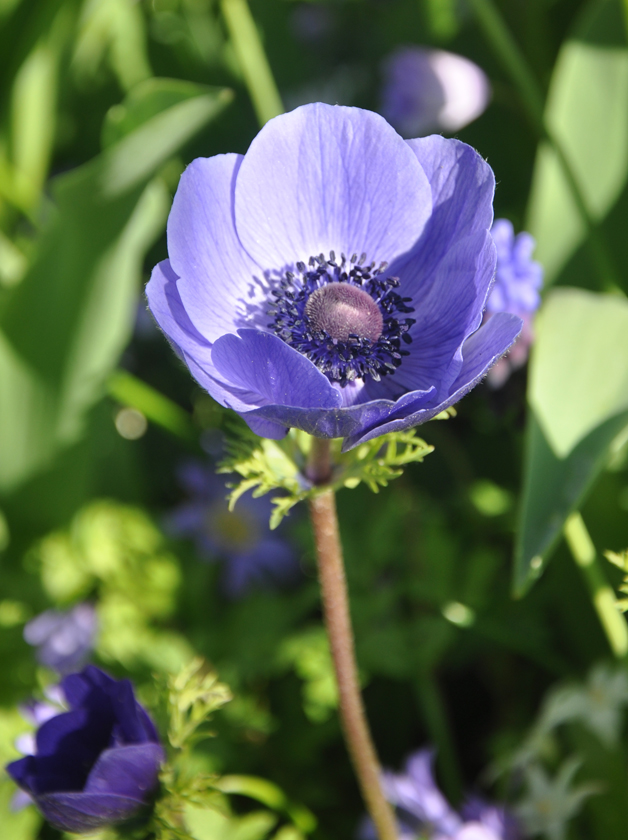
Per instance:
(603,597)
(338,622)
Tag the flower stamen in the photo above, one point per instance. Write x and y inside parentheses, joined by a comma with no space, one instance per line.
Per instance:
(344,316)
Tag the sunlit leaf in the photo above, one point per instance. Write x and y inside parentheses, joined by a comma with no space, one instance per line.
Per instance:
(578,397)
(587,111)
(69,319)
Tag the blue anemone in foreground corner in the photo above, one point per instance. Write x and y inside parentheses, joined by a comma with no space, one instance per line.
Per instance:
(253,556)
(96,764)
(334,278)
(422,810)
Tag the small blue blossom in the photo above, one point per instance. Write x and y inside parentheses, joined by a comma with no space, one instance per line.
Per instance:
(96,764)
(64,640)
(422,810)
(253,556)
(427,90)
(518,281)
(334,278)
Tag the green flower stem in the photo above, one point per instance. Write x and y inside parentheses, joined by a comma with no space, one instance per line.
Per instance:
(338,622)
(252,59)
(434,713)
(511,57)
(131,391)
(603,597)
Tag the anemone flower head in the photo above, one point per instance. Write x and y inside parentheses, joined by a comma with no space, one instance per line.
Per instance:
(63,639)
(518,281)
(334,278)
(428,90)
(252,555)
(423,811)
(96,764)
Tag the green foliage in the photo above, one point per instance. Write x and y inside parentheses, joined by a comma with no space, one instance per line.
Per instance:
(308,653)
(114,552)
(578,398)
(194,694)
(267,465)
(587,112)
(81,289)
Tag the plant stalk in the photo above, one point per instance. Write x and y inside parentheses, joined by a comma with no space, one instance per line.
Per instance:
(338,622)
(603,597)
(252,59)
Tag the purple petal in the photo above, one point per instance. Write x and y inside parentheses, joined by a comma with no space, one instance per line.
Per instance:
(129,771)
(325,178)
(415,792)
(165,304)
(83,812)
(273,372)
(216,285)
(445,318)
(479,353)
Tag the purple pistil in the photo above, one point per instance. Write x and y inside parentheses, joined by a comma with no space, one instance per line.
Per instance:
(342,311)
(343,316)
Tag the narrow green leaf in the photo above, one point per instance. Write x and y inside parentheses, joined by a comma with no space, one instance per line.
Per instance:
(587,112)
(578,397)
(67,322)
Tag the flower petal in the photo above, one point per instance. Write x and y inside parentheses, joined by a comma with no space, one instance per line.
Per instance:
(463,185)
(216,275)
(83,812)
(277,374)
(446,317)
(129,771)
(193,348)
(479,353)
(325,177)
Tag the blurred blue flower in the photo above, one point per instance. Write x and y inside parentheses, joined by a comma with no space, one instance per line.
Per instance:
(253,555)
(64,640)
(96,764)
(427,90)
(422,810)
(334,278)
(518,281)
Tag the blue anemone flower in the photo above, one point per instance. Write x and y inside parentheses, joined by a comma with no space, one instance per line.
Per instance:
(253,555)
(334,278)
(422,810)
(63,639)
(428,90)
(518,281)
(96,764)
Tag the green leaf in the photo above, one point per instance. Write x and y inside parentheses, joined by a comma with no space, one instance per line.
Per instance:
(206,824)
(578,397)
(587,112)
(148,100)
(67,322)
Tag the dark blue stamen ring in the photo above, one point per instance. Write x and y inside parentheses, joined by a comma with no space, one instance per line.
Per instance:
(353,332)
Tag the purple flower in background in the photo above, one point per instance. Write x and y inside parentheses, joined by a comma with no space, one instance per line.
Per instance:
(253,555)
(423,811)
(518,281)
(334,278)
(64,640)
(96,764)
(428,90)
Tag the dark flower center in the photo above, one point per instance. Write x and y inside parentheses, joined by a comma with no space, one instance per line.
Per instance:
(344,316)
